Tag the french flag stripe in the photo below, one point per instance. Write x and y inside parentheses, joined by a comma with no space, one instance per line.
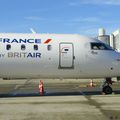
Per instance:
(47,41)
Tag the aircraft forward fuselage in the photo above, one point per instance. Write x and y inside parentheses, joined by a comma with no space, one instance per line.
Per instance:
(56,56)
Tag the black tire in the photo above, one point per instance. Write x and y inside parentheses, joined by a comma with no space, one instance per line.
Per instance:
(107,90)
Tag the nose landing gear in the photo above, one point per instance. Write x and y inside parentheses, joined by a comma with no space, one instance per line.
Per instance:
(106,86)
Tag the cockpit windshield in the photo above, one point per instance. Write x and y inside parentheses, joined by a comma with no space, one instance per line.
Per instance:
(100,46)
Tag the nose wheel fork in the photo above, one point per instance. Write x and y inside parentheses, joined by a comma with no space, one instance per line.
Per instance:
(106,86)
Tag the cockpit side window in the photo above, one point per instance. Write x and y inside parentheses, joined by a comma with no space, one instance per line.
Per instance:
(100,46)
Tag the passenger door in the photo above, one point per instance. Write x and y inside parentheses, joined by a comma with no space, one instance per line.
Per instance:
(66,55)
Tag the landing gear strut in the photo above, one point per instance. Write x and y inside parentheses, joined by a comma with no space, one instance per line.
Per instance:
(106,86)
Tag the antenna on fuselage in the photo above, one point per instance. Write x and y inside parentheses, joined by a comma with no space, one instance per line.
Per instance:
(32,30)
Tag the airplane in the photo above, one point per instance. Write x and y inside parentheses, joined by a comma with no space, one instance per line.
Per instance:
(64,56)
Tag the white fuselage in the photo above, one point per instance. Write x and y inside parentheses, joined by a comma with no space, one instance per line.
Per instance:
(57,56)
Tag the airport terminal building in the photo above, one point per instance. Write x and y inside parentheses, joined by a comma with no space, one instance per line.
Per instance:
(113,39)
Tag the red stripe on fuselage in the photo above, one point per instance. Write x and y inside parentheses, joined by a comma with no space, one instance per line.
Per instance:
(47,41)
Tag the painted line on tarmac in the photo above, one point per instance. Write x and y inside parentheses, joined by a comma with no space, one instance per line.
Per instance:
(17,87)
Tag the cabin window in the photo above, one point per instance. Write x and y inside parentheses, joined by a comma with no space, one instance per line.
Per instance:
(100,46)
(8,47)
(35,47)
(66,50)
(22,47)
(49,47)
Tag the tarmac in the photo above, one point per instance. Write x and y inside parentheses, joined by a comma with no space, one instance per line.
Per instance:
(62,100)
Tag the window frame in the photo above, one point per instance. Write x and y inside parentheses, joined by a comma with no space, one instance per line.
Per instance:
(49,47)
(35,47)
(98,45)
(8,47)
(23,48)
